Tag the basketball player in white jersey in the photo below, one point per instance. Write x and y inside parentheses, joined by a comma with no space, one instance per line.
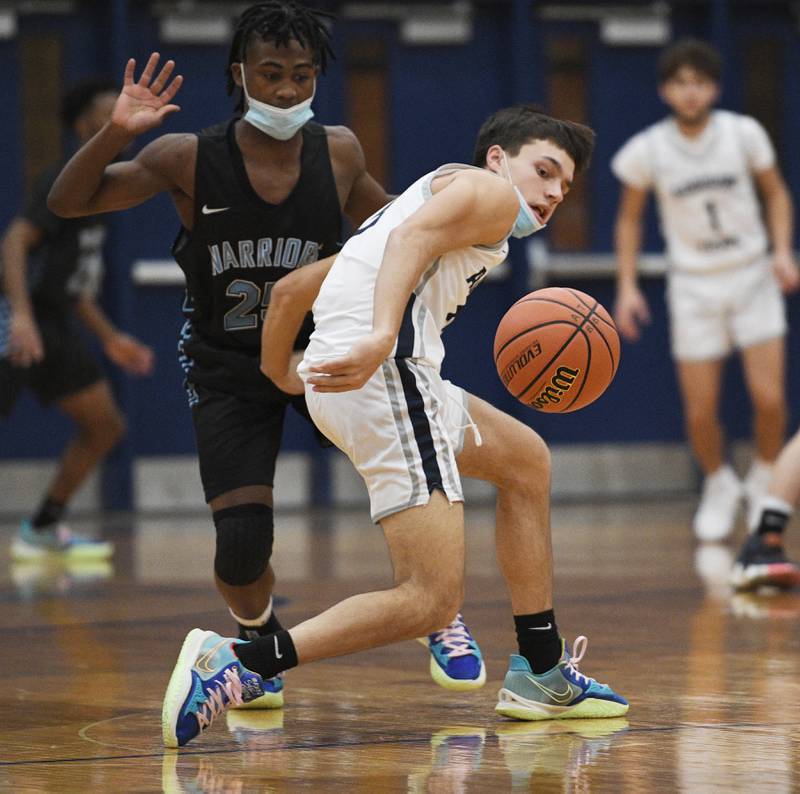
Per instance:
(706,168)
(373,386)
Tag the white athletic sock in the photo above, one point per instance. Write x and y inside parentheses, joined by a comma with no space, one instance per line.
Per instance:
(253,623)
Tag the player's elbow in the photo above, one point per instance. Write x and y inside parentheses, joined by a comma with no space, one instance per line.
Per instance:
(60,205)
(284,293)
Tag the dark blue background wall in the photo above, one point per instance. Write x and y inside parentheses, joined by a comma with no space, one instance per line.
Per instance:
(438,97)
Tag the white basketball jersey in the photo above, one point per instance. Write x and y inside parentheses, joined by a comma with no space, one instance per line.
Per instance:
(343,309)
(710,215)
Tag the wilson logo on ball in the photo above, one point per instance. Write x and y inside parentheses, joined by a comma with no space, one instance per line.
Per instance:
(559,385)
(556,350)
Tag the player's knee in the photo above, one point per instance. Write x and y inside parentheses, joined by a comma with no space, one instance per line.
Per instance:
(105,432)
(531,465)
(441,611)
(244,543)
(700,413)
(117,428)
(437,605)
(769,401)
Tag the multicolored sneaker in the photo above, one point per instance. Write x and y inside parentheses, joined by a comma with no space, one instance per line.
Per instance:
(271,699)
(32,544)
(207,680)
(762,563)
(456,660)
(561,693)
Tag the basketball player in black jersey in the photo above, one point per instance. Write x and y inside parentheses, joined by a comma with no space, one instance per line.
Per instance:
(258,197)
(50,272)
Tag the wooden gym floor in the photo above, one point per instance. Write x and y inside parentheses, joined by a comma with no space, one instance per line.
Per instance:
(712,678)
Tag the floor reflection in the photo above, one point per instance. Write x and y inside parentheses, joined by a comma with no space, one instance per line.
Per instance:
(555,756)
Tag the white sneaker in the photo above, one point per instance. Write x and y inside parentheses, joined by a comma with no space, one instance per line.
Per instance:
(716,512)
(755,487)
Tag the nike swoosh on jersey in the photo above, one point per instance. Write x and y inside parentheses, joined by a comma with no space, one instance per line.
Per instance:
(206,210)
(562,698)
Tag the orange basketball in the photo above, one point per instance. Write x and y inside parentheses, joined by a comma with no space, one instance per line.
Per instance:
(556,349)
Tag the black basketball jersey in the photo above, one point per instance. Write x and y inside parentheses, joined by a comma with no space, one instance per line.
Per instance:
(240,245)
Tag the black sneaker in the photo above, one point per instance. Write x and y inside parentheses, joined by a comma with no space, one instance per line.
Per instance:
(762,563)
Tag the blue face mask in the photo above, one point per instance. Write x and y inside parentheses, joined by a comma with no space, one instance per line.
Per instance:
(280,123)
(526,223)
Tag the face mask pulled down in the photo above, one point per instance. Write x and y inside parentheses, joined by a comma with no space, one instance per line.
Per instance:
(526,223)
(279,123)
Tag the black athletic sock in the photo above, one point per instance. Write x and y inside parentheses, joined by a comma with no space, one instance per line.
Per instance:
(538,640)
(272,626)
(50,512)
(772,522)
(268,655)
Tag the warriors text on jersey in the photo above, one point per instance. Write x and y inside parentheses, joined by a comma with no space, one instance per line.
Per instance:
(343,309)
(709,210)
(240,245)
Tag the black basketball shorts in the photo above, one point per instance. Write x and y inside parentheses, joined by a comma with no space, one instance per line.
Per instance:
(238,439)
(66,369)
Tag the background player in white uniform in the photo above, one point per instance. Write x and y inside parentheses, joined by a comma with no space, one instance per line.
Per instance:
(723,289)
(373,386)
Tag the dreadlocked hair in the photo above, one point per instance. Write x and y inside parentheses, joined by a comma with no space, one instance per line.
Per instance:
(280,21)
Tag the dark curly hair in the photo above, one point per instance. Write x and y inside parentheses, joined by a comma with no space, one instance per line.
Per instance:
(280,21)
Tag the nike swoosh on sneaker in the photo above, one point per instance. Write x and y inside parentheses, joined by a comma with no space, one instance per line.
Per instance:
(562,698)
(202,664)
(206,210)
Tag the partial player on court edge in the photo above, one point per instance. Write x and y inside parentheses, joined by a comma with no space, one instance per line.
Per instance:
(762,561)
(380,397)
(50,275)
(723,287)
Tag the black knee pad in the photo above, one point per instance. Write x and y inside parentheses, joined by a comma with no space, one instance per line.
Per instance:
(244,543)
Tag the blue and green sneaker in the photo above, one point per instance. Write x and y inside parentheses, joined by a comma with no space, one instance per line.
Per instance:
(561,693)
(456,661)
(207,680)
(39,544)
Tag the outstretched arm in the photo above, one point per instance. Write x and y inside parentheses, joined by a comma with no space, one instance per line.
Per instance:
(91,183)
(474,208)
(289,302)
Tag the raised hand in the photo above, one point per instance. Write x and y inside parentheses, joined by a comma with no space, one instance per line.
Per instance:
(144,104)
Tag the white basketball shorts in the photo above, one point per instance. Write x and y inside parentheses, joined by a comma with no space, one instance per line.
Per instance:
(402,430)
(713,314)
